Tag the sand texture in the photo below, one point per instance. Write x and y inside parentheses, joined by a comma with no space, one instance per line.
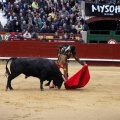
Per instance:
(98,100)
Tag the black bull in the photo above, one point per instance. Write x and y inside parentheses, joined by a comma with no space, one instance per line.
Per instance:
(42,68)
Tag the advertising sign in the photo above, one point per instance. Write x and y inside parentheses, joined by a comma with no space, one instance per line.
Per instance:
(92,9)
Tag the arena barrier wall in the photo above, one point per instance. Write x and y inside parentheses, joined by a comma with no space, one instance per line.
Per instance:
(93,54)
(5,35)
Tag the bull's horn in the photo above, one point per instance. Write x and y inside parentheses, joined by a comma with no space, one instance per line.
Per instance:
(64,78)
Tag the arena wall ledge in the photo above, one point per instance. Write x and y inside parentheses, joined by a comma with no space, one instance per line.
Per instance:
(5,35)
(93,54)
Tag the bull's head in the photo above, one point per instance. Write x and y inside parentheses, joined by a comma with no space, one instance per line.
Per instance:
(58,81)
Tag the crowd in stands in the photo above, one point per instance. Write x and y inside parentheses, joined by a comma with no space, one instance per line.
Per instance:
(103,1)
(43,16)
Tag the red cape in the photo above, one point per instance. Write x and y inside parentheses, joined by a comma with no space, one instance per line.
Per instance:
(78,80)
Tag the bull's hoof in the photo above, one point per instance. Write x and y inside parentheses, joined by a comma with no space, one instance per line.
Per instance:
(6,88)
(42,89)
(57,87)
(11,88)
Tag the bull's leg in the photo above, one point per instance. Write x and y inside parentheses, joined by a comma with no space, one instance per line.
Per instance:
(41,85)
(10,78)
(8,82)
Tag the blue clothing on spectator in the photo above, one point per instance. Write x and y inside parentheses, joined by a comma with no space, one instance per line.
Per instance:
(0,38)
(79,1)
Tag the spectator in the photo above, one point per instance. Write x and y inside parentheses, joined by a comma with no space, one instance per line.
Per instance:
(1,5)
(76,8)
(42,3)
(6,7)
(21,20)
(0,38)
(71,19)
(17,27)
(72,36)
(16,9)
(52,14)
(43,18)
(68,8)
(1,28)
(37,29)
(8,26)
(49,21)
(102,1)
(39,22)
(56,35)
(10,10)
(44,29)
(35,5)
(14,20)
(31,21)
(21,4)
(29,12)
(60,30)
(20,35)
(27,34)
(44,39)
(65,28)
(37,12)
(65,36)
(24,26)
(34,35)
(84,24)
(52,29)
(12,16)
(88,1)
(30,27)
(79,1)
(49,2)
(73,30)
(118,2)
(46,9)
(72,3)
(13,35)
(55,22)
(21,14)
(78,27)
(61,4)
(61,20)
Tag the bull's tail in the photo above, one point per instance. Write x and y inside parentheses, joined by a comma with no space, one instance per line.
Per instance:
(7,70)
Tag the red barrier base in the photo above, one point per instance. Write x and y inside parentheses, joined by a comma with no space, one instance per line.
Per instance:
(78,80)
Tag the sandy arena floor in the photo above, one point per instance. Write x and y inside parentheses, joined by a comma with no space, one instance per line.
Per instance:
(98,100)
